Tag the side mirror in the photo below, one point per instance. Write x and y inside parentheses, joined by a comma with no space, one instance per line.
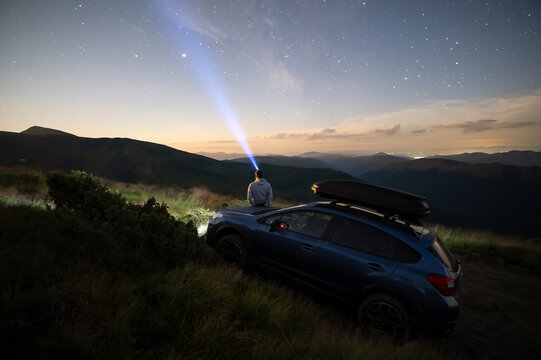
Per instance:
(278,225)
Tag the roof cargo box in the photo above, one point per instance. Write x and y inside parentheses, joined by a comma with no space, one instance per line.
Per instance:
(394,202)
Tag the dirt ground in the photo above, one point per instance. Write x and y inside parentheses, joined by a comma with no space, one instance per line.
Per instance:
(500,315)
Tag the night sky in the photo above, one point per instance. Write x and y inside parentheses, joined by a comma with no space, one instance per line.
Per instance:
(411,77)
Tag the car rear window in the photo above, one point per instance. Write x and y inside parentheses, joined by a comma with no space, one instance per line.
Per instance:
(359,236)
(440,251)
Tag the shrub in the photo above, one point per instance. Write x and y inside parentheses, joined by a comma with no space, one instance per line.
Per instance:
(83,194)
(147,234)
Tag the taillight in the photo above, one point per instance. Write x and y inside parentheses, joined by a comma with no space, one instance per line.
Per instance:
(444,284)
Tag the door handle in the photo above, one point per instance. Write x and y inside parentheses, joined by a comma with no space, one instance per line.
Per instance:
(307,247)
(375,267)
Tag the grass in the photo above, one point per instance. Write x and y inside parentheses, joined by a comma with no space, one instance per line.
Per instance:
(194,205)
(493,249)
(17,199)
(22,187)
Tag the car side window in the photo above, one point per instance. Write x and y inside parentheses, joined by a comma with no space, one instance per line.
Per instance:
(268,221)
(359,236)
(311,223)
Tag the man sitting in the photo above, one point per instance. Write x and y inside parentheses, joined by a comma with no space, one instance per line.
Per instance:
(259,191)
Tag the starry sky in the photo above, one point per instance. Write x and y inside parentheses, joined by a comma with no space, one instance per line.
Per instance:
(285,77)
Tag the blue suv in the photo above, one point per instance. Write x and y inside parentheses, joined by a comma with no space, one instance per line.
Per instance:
(367,250)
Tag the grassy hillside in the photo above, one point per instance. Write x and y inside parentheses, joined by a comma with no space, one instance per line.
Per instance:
(87,280)
(135,161)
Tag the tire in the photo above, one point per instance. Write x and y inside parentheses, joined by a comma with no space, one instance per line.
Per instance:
(382,315)
(232,249)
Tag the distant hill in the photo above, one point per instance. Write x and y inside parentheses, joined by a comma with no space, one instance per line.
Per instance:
(38,130)
(135,161)
(220,155)
(496,197)
(358,165)
(518,158)
(286,161)
(353,165)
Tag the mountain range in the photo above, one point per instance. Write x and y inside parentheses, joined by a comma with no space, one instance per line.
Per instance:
(354,165)
(518,158)
(136,161)
(359,165)
(496,197)
(482,191)
(499,192)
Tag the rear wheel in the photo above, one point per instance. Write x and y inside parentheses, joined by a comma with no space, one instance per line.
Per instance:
(233,250)
(382,315)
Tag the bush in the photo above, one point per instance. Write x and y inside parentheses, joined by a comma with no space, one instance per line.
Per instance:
(84,195)
(146,234)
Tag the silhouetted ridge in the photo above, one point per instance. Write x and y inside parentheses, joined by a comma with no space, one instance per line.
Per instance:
(38,130)
(136,161)
(515,157)
(353,165)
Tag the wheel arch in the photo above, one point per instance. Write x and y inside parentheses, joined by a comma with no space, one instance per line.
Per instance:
(400,295)
(227,230)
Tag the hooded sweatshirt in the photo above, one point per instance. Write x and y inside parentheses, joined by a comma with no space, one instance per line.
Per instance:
(259,193)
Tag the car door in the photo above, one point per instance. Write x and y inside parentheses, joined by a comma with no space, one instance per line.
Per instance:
(291,249)
(354,255)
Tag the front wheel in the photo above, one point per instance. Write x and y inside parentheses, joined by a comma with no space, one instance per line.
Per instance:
(383,315)
(233,250)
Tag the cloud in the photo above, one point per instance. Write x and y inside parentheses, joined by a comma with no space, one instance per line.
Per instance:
(461,125)
(509,125)
(325,134)
(389,130)
(484,125)
(522,110)
(223,141)
(317,135)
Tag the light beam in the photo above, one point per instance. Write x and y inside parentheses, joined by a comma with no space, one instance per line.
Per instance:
(193,39)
